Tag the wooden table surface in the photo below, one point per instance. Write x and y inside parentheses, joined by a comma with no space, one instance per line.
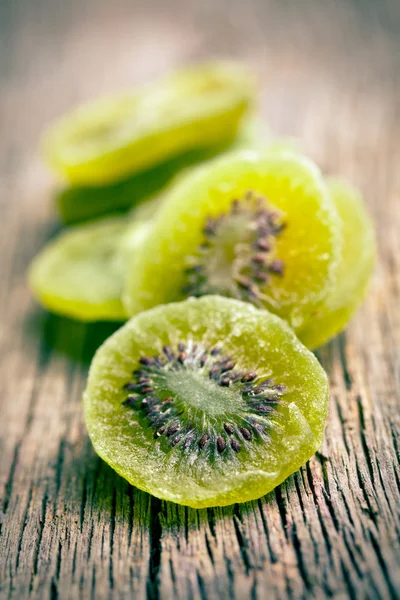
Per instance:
(70,527)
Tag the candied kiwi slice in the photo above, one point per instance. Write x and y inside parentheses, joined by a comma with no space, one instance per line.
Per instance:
(80,203)
(259,227)
(205,402)
(112,138)
(354,270)
(79,274)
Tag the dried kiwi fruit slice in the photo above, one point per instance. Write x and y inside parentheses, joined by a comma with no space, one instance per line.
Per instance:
(79,203)
(80,273)
(259,228)
(205,402)
(109,139)
(355,266)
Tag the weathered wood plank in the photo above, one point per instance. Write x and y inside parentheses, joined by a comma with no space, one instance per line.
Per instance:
(70,527)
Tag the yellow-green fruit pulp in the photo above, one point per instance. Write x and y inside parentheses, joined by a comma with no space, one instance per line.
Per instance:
(355,266)
(80,273)
(160,412)
(112,138)
(210,221)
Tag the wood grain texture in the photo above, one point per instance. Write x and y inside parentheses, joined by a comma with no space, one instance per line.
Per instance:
(70,527)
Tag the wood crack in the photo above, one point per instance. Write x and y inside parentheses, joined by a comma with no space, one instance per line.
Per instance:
(243,544)
(153,583)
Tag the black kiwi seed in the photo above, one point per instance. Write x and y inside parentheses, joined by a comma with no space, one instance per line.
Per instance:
(221,444)
(265,410)
(172,429)
(164,412)
(203,440)
(249,377)
(168,352)
(161,430)
(246,433)
(130,400)
(257,227)
(259,428)
(182,357)
(279,387)
(263,245)
(146,361)
(227,366)
(229,429)
(147,390)
(203,360)
(130,386)
(259,259)
(235,445)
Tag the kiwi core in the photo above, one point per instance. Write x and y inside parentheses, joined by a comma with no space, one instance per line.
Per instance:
(192,390)
(194,398)
(238,255)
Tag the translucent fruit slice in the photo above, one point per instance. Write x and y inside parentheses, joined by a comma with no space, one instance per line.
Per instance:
(252,226)
(79,203)
(355,267)
(80,273)
(114,137)
(206,402)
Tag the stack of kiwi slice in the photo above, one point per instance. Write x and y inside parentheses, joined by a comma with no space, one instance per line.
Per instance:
(229,255)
